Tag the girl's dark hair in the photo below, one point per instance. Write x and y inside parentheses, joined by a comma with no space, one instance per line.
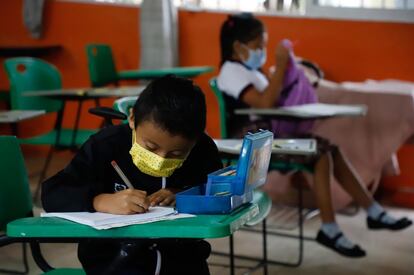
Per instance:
(243,27)
(173,103)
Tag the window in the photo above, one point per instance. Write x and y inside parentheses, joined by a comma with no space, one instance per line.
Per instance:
(373,4)
(380,10)
(285,6)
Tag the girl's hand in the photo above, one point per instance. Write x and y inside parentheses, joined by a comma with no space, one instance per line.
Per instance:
(163,197)
(128,201)
(282,54)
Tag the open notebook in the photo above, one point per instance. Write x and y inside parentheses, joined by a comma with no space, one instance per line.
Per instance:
(100,220)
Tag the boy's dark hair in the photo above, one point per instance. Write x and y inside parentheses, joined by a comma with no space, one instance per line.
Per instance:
(243,27)
(173,103)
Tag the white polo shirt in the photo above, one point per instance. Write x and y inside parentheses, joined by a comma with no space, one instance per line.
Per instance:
(235,78)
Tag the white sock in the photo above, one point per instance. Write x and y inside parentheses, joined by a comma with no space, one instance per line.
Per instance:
(375,210)
(332,230)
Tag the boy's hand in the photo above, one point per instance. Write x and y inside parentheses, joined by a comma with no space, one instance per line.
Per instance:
(163,197)
(129,201)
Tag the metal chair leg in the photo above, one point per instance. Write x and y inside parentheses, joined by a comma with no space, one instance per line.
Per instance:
(24,260)
(43,173)
(38,257)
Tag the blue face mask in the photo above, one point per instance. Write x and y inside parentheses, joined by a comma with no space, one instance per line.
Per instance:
(256,58)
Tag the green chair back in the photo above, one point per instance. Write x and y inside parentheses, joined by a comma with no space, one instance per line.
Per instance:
(101,65)
(124,104)
(32,74)
(15,196)
(222,107)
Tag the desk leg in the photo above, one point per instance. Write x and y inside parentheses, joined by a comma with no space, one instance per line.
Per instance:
(14,129)
(264,235)
(231,255)
(75,129)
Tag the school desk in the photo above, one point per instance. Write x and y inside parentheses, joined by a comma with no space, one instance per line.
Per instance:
(229,150)
(15,116)
(55,230)
(307,111)
(83,94)
(188,72)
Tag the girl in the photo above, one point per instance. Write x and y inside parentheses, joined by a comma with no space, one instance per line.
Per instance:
(243,52)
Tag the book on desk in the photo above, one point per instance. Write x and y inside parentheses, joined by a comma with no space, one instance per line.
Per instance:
(99,220)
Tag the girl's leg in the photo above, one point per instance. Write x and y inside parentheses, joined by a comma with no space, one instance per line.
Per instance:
(350,181)
(377,218)
(330,235)
(321,176)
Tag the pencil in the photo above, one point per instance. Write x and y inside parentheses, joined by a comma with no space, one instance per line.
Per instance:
(121,174)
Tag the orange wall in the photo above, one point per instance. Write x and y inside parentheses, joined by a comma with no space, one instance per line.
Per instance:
(346,50)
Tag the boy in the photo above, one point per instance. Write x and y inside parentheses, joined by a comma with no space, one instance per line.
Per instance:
(163,144)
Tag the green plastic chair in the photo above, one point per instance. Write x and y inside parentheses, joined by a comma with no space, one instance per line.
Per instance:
(32,74)
(222,108)
(102,70)
(124,104)
(15,198)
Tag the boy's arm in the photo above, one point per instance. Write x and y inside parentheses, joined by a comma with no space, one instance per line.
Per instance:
(74,187)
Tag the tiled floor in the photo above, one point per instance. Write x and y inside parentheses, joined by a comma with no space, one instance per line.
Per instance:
(388,252)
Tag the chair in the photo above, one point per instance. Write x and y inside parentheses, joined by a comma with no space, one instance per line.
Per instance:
(15,199)
(101,65)
(124,104)
(32,74)
(102,70)
(119,111)
(274,165)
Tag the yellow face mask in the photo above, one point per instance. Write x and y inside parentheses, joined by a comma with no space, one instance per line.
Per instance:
(150,163)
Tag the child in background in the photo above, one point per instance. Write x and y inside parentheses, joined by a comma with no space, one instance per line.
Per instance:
(243,52)
(164,144)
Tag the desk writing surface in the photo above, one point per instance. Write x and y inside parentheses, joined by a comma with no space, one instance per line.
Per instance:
(201,226)
(19,115)
(156,73)
(89,92)
(308,111)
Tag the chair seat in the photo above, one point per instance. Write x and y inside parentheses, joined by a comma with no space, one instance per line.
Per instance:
(66,271)
(64,140)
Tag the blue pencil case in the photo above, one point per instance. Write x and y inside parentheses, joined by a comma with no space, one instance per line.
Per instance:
(232,186)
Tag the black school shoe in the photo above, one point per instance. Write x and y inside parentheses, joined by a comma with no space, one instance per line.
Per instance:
(379,224)
(354,252)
